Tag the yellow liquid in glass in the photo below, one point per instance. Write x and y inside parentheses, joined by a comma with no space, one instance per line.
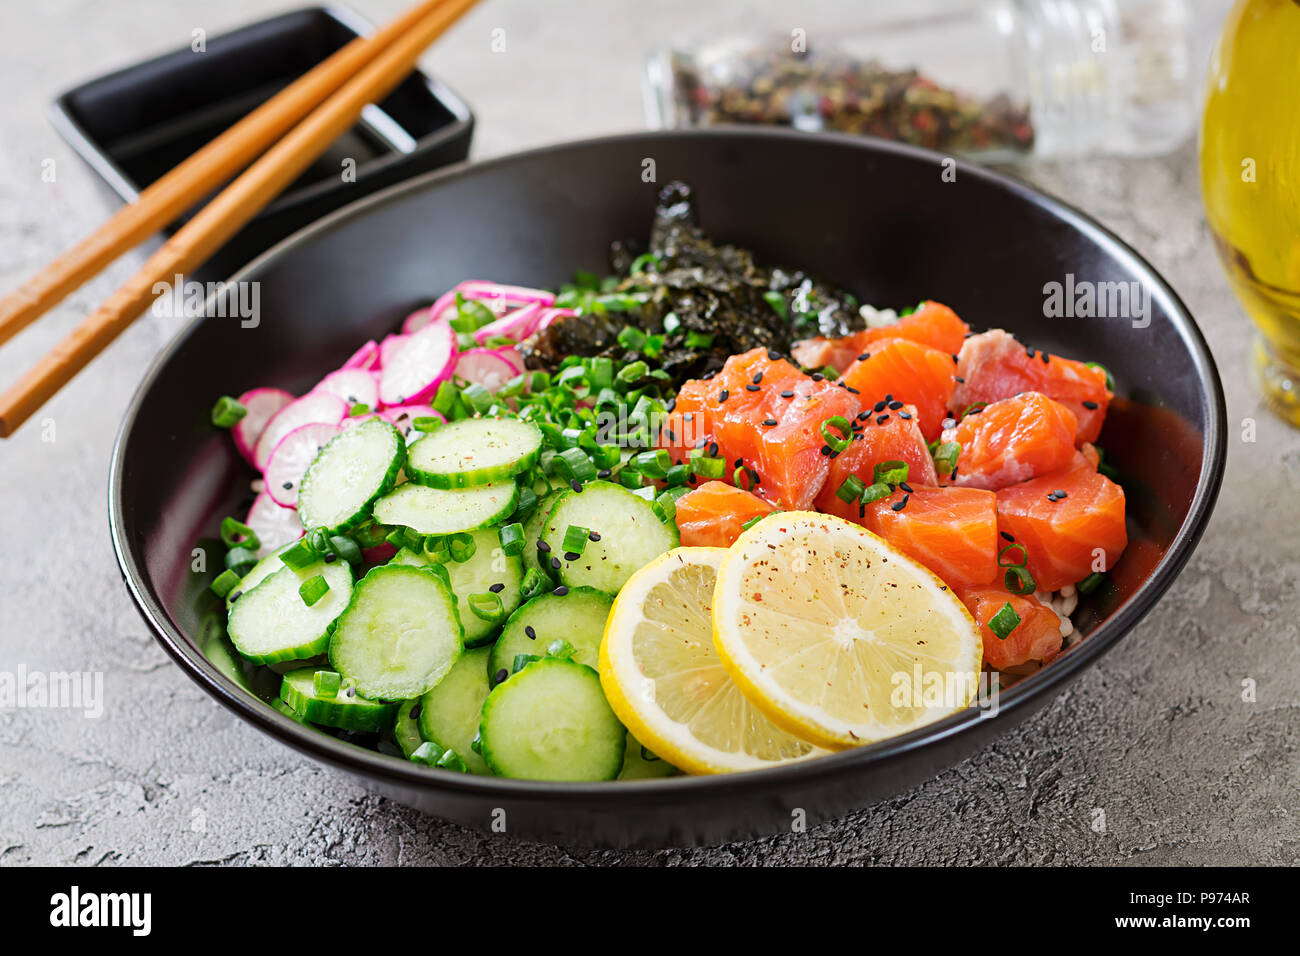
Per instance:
(1250,179)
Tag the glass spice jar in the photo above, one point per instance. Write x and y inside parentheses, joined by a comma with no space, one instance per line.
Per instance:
(996,81)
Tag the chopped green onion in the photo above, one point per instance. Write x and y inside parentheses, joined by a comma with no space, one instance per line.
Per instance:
(677,475)
(1005,621)
(607,456)
(1104,467)
(450,760)
(667,506)
(743,478)
(1090,583)
(313,589)
(300,556)
(437,546)
(654,346)
(487,607)
(444,400)
(876,492)
(440,570)
(527,503)
(1018,580)
(512,539)
(370,535)
(629,476)
(462,546)
(326,683)
(235,533)
(521,661)
(833,424)
(241,560)
(478,397)
(971,409)
(643,260)
(360,408)
(1110,379)
(470,315)
(427,423)
(533,584)
(561,649)
(574,464)
(890,473)
(699,340)
(829,372)
(850,489)
(632,373)
(654,463)
(945,457)
(706,466)
(397,538)
(602,372)
(318,540)
(224,583)
(751,522)
(575,539)
(777,301)
(227,412)
(1024,556)
(345,548)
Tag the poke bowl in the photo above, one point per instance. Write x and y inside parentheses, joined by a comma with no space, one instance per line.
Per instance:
(458,328)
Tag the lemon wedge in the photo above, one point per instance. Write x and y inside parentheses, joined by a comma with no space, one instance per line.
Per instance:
(662,676)
(838,637)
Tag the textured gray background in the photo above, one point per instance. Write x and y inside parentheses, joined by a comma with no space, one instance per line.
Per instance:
(1157,736)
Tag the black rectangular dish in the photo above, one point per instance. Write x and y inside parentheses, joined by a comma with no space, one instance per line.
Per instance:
(134,125)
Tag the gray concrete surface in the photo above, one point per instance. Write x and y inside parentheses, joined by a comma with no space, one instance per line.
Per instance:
(1158,737)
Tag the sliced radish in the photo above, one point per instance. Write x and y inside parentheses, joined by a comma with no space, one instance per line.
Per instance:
(274,524)
(389,347)
(366,357)
(402,417)
(513,325)
(354,385)
(289,462)
(379,554)
(479,290)
(418,366)
(312,408)
(262,404)
(485,367)
(512,357)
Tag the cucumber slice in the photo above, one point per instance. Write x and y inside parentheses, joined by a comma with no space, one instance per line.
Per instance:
(631,535)
(271,623)
(257,574)
(350,473)
(449,714)
(489,566)
(399,635)
(533,530)
(345,708)
(638,766)
(550,721)
(406,728)
(437,511)
(577,617)
(474,451)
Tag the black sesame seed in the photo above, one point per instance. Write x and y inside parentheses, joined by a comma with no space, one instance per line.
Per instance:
(1089,405)
(881,406)
(1060,493)
(889,398)
(496,588)
(1007,536)
(542,546)
(900,505)
(954,473)
(571,556)
(769,422)
(530,632)
(236,596)
(895,405)
(555,563)
(858,437)
(826,450)
(905,486)
(772,357)
(817,376)
(954,358)
(787,394)
(331,558)
(722,395)
(739,462)
(604,473)
(1045,357)
(881,419)
(1029,350)
(758,377)
(905,416)
(560,591)
(864,356)
(713,448)
(501,675)
(575,484)
(593,535)
(958,378)
(287,485)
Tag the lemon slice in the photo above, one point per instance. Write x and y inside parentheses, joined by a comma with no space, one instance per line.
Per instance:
(837,636)
(663,678)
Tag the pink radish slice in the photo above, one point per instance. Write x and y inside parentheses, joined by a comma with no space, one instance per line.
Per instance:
(511,357)
(289,462)
(485,367)
(379,554)
(274,524)
(416,321)
(389,347)
(312,408)
(262,404)
(513,325)
(418,366)
(479,290)
(355,386)
(366,357)
(402,417)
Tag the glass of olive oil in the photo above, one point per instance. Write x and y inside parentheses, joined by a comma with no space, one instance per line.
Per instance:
(1250,179)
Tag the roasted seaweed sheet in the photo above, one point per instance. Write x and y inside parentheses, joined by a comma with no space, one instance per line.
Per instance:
(709,287)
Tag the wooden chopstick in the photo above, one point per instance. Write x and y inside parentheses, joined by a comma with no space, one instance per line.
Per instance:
(226,214)
(197,177)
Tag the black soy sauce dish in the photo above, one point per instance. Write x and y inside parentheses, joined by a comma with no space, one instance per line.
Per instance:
(134,125)
(868,215)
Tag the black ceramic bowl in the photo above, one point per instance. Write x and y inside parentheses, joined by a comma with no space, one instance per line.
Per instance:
(874,217)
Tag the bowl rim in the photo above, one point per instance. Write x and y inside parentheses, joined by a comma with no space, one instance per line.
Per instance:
(1022,695)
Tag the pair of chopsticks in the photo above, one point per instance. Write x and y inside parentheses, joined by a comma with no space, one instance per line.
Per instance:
(280,140)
